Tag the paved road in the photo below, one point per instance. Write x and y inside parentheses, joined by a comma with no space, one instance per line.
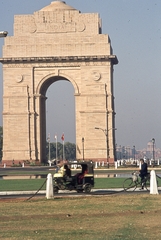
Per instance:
(63,194)
(9,172)
(26,169)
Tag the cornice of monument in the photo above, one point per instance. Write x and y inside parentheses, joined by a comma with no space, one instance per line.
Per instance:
(111,58)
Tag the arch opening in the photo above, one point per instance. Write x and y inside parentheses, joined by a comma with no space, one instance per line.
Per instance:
(57,112)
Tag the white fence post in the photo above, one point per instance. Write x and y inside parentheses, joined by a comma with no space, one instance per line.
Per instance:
(153,183)
(49,187)
(115,164)
(139,164)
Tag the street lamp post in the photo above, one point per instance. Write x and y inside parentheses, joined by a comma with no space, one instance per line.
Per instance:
(120,152)
(116,152)
(3,34)
(134,151)
(153,141)
(83,146)
(105,131)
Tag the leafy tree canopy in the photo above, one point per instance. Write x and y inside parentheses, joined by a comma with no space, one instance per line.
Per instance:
(69,150)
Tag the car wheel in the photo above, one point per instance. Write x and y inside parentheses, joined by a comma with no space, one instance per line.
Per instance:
(56,189)
(87,188)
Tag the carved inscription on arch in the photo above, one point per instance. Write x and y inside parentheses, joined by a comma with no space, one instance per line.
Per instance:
(60,27)
(49,22)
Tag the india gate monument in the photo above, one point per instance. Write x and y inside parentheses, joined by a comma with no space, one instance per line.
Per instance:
(55,43)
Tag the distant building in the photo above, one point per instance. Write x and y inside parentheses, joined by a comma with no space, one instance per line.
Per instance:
(125,152)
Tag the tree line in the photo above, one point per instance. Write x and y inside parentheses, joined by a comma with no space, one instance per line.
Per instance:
(69,150)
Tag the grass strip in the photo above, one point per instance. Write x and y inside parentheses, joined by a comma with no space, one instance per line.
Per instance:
(35,184)
(108,217)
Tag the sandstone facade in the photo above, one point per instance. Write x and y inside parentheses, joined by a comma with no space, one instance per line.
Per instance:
(57,42)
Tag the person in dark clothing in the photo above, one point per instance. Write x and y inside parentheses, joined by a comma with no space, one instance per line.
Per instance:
(81,175)
(67,171)
(143,171)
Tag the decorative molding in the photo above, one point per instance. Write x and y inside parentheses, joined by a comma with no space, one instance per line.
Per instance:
(19,78)
(70,59)
(96,76)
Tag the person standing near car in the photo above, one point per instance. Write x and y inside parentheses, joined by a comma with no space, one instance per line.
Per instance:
(143,170)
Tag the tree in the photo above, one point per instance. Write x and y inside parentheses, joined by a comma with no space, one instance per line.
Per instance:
(1,142)
(69,149)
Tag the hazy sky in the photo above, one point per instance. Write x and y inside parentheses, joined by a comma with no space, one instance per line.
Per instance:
(134,27)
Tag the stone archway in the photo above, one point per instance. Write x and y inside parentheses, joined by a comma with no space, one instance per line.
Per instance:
(57,42)
(41,90)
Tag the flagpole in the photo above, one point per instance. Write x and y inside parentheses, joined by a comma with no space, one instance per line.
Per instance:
(49,146)
(62,138)
(63,150)
(56,148)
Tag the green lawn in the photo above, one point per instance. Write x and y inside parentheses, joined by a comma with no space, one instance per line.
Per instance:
(22,185)
(35,184)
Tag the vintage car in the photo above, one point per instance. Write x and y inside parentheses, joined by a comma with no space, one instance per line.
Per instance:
(82,181)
